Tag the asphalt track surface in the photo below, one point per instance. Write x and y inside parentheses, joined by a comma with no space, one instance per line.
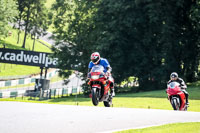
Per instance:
(19,117)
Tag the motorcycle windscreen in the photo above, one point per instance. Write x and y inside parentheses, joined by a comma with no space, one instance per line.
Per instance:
(172,85)
(97,68)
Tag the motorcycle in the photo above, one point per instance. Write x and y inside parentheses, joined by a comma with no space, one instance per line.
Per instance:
(176,96)
(100,86)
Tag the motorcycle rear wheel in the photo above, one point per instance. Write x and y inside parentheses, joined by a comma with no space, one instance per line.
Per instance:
(108,103)
(186,108)
(95,99)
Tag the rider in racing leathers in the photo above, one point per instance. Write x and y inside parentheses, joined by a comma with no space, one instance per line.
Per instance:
(97,60)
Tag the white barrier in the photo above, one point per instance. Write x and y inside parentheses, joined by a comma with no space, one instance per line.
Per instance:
(59,92)
(26,80)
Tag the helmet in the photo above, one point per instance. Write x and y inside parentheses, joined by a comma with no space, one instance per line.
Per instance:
(174,75)
(95,57)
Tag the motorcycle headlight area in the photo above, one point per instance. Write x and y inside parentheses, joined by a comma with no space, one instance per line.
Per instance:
(95,77)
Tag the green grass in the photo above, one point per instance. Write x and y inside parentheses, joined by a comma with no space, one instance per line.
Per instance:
(193,90)
(13,70)
(11,42)
(191,127)
(158,99)
(146,100)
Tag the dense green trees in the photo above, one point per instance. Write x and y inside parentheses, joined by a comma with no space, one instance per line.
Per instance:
(39,20)
(147,39)
(8,10)
(32,18)
(73,32)
(19,17)
(35,19)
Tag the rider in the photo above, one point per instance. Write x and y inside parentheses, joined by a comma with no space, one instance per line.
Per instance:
(174,77)
(97,60)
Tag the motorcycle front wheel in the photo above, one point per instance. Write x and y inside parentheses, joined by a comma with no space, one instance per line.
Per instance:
(175,103)
(95,98)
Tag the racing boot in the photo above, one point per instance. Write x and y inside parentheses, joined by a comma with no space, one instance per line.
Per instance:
(112,91)
(186,97)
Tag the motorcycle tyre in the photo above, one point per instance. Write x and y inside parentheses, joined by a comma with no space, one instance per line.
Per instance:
(95,100)
(186,108)
(175,104)
(108,103)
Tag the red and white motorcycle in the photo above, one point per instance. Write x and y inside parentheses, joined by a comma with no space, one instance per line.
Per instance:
(100,86)
(176,96)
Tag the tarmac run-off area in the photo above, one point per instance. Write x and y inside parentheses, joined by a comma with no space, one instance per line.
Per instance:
(19,117)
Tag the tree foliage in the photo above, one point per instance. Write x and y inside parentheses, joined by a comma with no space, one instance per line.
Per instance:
(73,26)
(38,21)
(32,19)
(8,10)
(19,18)
(147,39)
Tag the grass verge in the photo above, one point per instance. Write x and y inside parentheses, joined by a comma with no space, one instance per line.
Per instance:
(190,127)
(11,42)
(13,70)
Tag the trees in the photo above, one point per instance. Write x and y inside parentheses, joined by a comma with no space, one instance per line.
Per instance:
(33,15)
(19,17)
(145,39)
(38,23)
(191,54)
(8,9)
(73,34)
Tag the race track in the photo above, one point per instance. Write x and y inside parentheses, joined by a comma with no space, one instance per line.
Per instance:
(16,117)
